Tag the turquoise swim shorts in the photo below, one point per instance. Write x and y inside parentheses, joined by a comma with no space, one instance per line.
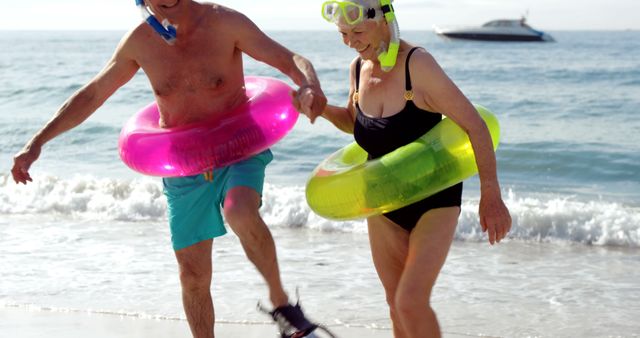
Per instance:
(194,202)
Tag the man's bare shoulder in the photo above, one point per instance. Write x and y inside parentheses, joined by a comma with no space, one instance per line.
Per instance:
(225,15)
(217,8)
(136,39)
(139,33)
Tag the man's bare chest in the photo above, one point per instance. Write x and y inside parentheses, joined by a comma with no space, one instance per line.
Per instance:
(182,72)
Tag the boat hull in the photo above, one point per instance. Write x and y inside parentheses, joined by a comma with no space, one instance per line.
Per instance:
(494,37)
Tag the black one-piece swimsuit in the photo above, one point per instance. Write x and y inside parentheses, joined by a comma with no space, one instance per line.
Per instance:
(380,136)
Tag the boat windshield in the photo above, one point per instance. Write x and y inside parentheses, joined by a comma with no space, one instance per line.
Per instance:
(505,23)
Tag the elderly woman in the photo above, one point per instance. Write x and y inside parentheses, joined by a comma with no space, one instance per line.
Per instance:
(397,93)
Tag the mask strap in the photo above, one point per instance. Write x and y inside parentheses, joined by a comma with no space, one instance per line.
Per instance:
(371,13)
(166,30)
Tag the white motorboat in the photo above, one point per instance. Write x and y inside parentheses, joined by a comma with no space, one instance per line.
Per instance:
(496,30)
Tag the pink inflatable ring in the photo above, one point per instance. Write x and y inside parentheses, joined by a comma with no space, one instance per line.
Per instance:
(249,129)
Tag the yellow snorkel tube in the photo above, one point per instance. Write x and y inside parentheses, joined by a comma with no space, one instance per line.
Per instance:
(388,58)
(354,12)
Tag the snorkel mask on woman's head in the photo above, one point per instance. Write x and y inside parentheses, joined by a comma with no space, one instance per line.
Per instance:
(351,12)
(355,12)
(166,30)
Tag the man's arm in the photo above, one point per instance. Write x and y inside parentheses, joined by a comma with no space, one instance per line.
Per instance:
(252,41)
(77,108)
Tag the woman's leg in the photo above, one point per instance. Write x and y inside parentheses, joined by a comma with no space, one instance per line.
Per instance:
(429,244)
(389,246)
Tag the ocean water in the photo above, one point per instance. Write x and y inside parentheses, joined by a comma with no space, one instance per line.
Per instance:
(90,235)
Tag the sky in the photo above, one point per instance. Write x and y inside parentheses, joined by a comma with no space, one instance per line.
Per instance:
(305,14)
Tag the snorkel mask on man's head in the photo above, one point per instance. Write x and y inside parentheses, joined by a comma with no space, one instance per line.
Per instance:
(166,30)
(354,12)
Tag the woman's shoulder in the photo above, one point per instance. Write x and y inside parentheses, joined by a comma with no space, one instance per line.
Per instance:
(417,52)
(354,62)
(353,65)
(421,60)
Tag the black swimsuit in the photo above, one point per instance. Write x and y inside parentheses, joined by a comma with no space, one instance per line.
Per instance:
(380,136)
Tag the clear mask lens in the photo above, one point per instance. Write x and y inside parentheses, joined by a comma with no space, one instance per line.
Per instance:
(351,12)
(329,11)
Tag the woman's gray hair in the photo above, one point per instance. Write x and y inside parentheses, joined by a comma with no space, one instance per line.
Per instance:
(375,4)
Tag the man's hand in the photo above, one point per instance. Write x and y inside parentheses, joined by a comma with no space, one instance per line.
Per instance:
(309,100)
(22,161)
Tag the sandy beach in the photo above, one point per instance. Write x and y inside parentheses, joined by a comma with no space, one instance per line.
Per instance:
(57,285)
(26,323)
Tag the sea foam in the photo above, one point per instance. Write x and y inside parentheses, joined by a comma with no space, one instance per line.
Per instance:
(542,218)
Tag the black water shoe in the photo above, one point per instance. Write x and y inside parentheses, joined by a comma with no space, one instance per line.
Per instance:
(292,322)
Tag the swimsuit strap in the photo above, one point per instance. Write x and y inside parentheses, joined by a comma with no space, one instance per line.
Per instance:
(358,65)
(408,94)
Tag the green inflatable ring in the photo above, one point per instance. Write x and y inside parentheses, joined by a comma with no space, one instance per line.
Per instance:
(347,186)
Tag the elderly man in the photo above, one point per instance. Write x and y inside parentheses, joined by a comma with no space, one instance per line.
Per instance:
(194,63)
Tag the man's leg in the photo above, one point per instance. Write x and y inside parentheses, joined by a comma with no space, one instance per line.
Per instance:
(195,277)
(241,212)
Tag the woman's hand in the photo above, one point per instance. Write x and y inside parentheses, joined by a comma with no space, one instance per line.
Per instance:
(494,216)
(309,100)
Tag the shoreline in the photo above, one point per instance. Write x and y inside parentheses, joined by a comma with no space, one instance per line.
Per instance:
(25,322)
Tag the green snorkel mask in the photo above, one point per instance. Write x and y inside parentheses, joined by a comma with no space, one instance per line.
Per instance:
(355,12)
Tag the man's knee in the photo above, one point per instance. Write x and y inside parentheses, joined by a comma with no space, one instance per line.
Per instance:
(192,278)
(195,266)
(241,208)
